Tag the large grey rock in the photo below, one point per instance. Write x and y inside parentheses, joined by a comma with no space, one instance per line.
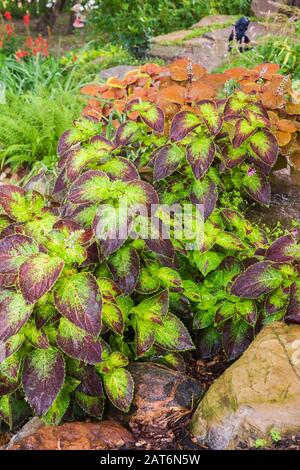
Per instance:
(259,392)
(119,71)
(211,20)
(263,8)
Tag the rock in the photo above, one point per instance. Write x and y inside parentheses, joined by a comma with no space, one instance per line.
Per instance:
(161,397)
(119,71)
(211,20)
(168,53)
(285,202)
(261,8)
(259,392)
(76,436)
(27,430)
(171,37)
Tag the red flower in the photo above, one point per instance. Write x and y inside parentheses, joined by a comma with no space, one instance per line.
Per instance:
(1,44)
(26,20)
(9,29)
(7,15)
(20,54)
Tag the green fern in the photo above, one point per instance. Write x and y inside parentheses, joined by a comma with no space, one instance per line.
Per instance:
(30,126)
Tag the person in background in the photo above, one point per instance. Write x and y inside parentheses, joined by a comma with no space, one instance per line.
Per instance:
(239,33)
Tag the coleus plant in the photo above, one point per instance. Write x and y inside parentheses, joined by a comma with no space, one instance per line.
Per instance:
(84,293)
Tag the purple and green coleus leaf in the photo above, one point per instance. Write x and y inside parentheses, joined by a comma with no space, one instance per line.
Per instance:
(120,168)
(37,338)
(10,370)
(57,410)
(230,241)
(167,160)
(264,144)
(111,227)
(243,130)
(293,309)
(113,316)
(153,308)
(12,345)
(170,278)
(78,344)
(232,157)
(152,115)
(91,187)
(125,133)
(260,278)
(257,186)
(38,274)
(237,335)
(144,335)
(200,154)
(207,262)
(208,342)
(204,193)
(92,405)
(235,104)
(284,249)
(78,298)
(14,250)
(43,377)
(14,313)
(172,335)
(277,301)
(147,283)
(119,387)
(182,124)
(125,268)
(208,111)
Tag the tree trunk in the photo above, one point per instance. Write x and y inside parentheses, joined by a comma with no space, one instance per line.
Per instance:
(49,18)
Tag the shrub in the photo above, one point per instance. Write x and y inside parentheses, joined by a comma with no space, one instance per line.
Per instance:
(81,299)
(134,23)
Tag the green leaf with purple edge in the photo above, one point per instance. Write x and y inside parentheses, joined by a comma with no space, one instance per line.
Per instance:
(209,113)
(14,313)
(235,104)
(293,310)
(264,144)
(243,130)
(153,307)
(10,370)
(144,335)
(207,262)
(260,278)
(93,186)
(78,344)
(182,124)
(154,117)
(125,133)
(174,361)
(11,346)
(61,403)
(92,405)
(208,342)
(14,250)
(38,274)
(119,387)
(200,154)
(284,249)
(65,143)
(167,160)
(10,197)
(147,284)
(237,335)
(120,168)
(172,334)
(277,301)
(232,157)
(111,227)
(37,338)
(204,193)
(257,186)
(78,298)
(43,377)
(159,239)
(140,193)
(125,268)
(230,241)
(113,316)
(247,310)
